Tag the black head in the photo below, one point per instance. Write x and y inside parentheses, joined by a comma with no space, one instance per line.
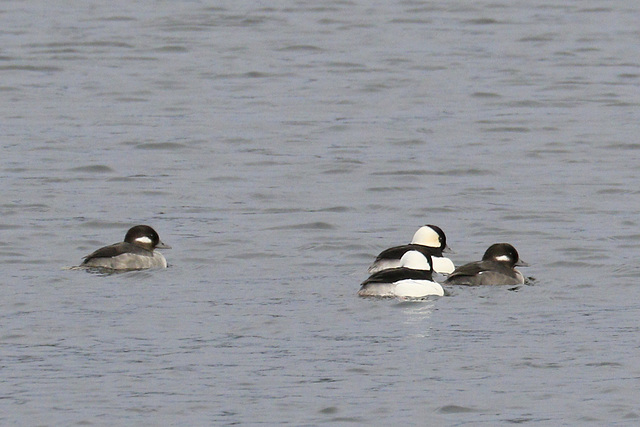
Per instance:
(503,252)
(144,236)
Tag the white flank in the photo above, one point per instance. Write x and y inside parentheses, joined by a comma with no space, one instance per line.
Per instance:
(417,288)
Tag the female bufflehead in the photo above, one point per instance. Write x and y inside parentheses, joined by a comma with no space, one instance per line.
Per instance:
(496,268)
(411,279)
(428,240)
(135,253)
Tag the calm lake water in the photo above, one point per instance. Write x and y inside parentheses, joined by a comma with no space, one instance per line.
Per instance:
(278,147)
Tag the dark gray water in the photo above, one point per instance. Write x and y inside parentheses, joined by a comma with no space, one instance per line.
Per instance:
(278,147)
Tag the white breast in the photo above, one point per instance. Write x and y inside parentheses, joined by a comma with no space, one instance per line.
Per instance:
(442,265)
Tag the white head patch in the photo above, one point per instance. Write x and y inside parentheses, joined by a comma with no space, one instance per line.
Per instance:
(426,236)
(503,258)
(415,261)
(144,240)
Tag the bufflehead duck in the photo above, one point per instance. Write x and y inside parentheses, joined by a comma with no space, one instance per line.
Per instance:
(496,268)
(412,279)
(429,240)
(135,253)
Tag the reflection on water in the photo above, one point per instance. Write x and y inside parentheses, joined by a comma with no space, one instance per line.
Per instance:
(417,315)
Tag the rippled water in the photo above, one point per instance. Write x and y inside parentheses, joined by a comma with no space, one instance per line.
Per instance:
(278,147)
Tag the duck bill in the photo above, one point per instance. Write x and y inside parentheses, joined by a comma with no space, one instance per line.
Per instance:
(447,250)
(521,263)
(161,245)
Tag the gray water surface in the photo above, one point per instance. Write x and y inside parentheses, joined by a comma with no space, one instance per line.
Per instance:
(278,147)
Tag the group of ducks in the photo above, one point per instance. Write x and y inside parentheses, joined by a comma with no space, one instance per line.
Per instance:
(401,271)
(406,271)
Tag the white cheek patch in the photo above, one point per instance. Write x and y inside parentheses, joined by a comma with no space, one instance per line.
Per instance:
(434,242)
(503,258)
(144,240)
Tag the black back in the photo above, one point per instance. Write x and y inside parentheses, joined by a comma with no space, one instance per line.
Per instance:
(397,251)
(117,249)
(395,274)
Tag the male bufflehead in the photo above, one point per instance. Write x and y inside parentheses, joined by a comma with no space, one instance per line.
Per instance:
(428,240)
(135,253)
(412,279)
(496,268)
